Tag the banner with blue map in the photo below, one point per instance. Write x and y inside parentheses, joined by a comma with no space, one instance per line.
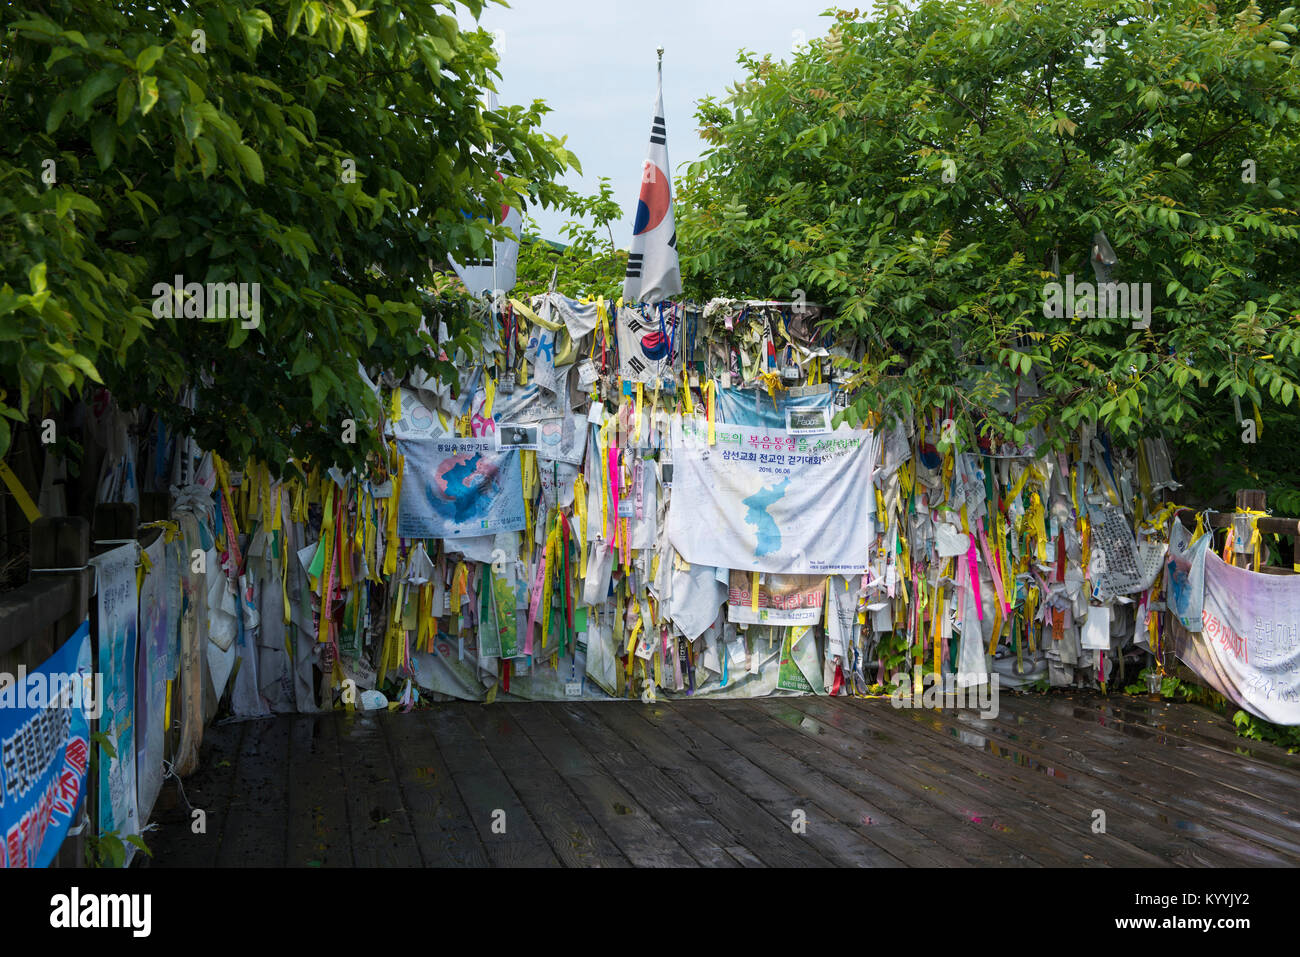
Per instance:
(760,499)
(459,488)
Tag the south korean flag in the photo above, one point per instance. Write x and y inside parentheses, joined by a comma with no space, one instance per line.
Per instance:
(647,342)
(653,272)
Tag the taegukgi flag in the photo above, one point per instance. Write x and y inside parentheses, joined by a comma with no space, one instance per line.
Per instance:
(653,273)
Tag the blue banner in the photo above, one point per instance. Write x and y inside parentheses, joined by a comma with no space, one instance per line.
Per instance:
(456,488)
(44,750)
(756,409)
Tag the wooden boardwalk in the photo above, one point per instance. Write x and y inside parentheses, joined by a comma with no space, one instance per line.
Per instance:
(725,783)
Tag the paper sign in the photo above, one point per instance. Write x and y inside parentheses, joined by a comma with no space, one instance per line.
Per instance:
(807,421)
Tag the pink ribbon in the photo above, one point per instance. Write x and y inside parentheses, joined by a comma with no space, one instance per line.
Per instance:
(993,567)
(613,492)
(975,578)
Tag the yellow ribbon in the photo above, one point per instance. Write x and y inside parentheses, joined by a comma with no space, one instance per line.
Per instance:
(711,395)
(580,509)
(390,532)
(30,511)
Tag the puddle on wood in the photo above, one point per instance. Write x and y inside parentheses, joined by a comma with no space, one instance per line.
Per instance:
(1018,758)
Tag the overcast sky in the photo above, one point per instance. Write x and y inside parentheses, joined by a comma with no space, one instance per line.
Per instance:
(593,62)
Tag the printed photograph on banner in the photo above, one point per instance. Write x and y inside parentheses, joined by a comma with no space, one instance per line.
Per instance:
(509,436)
(782,599)
(807,421)
(459,488)
(754,407)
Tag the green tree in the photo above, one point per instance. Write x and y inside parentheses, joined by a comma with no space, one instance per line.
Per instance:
(923,169)
(330,153)
(588,264)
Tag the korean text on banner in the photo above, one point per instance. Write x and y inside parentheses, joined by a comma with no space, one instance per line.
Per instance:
(764,500)
(1248,645)
(44,752)
(457,488)
(782,599)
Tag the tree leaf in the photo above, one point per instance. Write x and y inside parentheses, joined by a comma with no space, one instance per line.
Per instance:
(103,139)
(125,100)
(36,277)
(250,161)
(147,57)
(148,94)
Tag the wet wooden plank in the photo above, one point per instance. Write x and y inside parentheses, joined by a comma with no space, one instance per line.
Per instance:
(955,842)
(208,790)
(1048,794)
(1264,764)
(381,827)
(254,831)
(771,841)
(1254,828)
(443,830)
(1128,805)
(574,835)
(714,783)
(743,858)
(1227,790)
(904,843)
(319,833)
(508,832)
(970,824)
(1013,815)
(790,803)
(1198,723)
(632,801)
(1263,784)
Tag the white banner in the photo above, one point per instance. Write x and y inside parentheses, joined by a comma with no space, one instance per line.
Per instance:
(764,500)
(1248,648)
(158,623)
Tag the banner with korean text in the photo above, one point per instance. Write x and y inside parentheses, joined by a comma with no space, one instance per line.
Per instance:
(1248,647)
(761,499)
(456,488)
(44,751)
